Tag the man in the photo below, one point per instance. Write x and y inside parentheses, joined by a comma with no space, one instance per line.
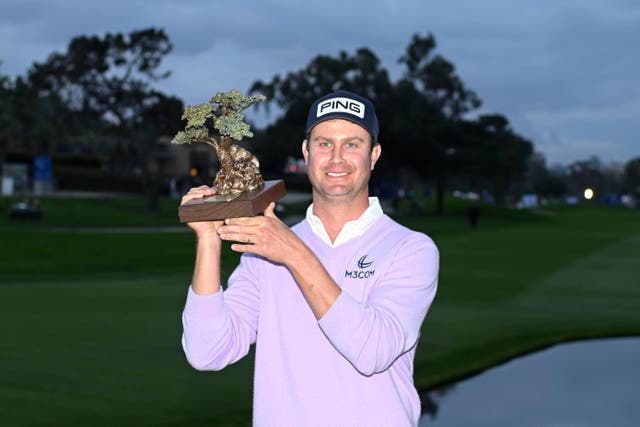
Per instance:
(334,304)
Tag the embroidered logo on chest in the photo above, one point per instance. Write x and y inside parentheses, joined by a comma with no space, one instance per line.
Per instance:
(363,270)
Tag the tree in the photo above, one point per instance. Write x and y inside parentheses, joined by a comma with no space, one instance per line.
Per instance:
(583,174)
(436,78)
(437,82)
(505,154)
(109,79)
(5,116)
(160,118)
(407,123)
(423,125)
(33,122)
(541,180)
(631,180)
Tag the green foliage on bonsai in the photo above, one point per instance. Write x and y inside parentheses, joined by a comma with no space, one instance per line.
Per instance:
(224,111)
(239,170)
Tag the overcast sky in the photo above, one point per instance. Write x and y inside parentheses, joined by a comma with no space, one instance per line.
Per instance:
(565,73)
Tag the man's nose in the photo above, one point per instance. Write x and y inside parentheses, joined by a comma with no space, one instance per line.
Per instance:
(336,154)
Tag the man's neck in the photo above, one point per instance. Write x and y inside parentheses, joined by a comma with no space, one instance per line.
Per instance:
(334,214)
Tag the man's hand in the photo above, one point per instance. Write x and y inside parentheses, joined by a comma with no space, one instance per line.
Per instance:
(206,274)
(269,237)
(263,235)
(203,228)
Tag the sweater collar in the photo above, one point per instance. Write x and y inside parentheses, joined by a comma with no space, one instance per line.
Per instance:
(351,229)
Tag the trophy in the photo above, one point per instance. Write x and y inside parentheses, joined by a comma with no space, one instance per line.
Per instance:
(240,189)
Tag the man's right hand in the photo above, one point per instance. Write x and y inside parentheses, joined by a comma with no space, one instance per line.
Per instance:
(203,229)
(206,274)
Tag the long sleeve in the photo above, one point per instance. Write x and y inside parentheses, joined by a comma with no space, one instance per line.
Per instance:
(218,329)
(357,359)
(373,333)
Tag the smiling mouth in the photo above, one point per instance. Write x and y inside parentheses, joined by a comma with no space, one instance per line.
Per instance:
(336,174)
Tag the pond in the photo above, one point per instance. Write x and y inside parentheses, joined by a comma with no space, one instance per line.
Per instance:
(586,383)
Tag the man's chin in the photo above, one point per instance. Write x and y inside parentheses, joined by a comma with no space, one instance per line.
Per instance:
(337,194)
(337,191)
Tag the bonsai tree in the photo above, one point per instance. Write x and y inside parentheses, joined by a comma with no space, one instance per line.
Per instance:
(239,169)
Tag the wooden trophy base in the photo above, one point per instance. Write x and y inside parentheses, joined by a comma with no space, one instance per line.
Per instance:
(218,207)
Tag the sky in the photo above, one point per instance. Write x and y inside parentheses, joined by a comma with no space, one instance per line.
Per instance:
(566,73)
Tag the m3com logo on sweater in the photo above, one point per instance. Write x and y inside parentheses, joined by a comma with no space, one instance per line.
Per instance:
(363,271)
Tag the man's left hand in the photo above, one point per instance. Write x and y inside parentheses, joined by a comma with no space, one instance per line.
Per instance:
(266,236)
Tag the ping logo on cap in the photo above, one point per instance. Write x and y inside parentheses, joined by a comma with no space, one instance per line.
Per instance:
(341,105)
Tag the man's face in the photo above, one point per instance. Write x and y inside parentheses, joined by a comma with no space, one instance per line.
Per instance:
(340,159)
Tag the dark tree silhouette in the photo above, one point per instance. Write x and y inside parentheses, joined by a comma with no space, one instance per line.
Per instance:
(436,80)
(109,79)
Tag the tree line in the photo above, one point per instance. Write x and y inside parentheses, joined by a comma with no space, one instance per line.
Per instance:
(423,118)
(98,97)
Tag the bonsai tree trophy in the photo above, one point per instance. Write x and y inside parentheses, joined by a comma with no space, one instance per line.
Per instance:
(240,189)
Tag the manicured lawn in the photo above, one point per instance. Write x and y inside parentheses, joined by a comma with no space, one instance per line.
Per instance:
(511,291)
(90,322)
(95,212)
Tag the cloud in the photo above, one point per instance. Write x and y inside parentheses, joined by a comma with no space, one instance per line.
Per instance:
(581,115)
(584,131)
(566,68)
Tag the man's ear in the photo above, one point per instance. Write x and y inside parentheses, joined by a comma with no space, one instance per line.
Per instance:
(376,151)
(305,151)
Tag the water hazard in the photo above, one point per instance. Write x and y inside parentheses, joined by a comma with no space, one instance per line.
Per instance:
(587,383)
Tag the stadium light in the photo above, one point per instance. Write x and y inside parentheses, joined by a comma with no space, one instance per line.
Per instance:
(588,194)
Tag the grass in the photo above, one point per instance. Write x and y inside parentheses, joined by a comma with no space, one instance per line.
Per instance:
(90,322)
(508,291)
(94,212)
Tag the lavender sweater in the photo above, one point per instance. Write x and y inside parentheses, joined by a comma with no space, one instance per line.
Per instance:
(354,366)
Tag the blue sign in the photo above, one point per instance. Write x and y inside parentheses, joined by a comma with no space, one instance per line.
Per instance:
(42,168)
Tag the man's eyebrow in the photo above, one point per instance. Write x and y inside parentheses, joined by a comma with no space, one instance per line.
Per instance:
(320,139)
(357,138)
(327,138)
